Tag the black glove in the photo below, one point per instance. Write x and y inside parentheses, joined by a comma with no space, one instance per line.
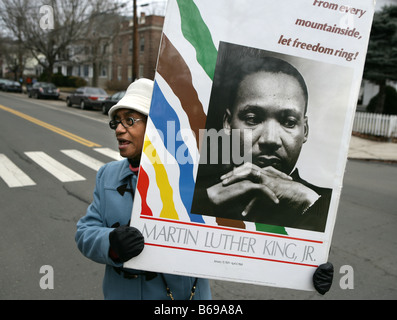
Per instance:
(322,278)
(126,242)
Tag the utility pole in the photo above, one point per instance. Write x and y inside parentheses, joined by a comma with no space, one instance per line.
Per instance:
(135,44)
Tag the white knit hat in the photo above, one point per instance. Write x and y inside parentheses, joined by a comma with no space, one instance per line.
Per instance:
(137,97)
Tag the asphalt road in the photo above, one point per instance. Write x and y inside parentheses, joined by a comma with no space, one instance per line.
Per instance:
(38,220)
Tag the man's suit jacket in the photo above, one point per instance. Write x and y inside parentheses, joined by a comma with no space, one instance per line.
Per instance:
(265,212)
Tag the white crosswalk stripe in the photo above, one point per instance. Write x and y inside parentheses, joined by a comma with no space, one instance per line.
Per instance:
(109,153)
(12,175)
(57,169)
(84,159)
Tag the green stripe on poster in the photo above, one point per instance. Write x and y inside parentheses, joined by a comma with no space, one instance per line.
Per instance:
(197,33)
(269,228)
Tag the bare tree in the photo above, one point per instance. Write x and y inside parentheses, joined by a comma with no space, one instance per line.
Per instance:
(101,30)
(13,56)
(70,20)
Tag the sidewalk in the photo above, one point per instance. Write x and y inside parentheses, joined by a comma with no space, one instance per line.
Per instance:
(372,150)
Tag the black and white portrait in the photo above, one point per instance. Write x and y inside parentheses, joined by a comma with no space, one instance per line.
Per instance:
(257,125)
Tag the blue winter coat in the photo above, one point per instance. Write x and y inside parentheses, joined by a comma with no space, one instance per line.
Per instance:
(92,238)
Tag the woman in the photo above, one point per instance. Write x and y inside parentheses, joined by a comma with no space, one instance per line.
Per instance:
(104,235)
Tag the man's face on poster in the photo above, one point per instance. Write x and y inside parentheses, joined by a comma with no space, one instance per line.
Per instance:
(272,106)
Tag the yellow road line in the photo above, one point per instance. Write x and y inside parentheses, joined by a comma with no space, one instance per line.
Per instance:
(52,128)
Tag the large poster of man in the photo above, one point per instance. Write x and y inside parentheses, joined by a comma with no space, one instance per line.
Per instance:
(247,138)
(260,102)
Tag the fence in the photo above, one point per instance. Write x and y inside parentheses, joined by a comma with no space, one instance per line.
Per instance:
(375,124)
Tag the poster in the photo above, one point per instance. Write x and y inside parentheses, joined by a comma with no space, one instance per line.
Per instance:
(248,136)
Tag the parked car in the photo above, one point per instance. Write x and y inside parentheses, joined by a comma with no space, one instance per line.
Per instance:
(2,83)
(43,90)
(87,97)
(111,101)
(11,86)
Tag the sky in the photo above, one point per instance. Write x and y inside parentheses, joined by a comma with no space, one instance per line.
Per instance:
(147,6)
(160,5)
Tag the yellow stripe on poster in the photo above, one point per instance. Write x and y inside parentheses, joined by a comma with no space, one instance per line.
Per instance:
(166,193)
(52,128)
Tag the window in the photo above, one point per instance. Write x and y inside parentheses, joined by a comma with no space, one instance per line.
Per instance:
(104,71)
(142,45)
(130,46)
(130,73)
(86,70)
(141,68)
(95,91)
(119,73)
(120,47)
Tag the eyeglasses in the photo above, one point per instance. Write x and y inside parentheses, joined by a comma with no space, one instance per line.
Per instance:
(126,123)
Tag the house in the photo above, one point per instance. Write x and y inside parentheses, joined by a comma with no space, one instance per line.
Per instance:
(105,58)
(149,37)
(369,90)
